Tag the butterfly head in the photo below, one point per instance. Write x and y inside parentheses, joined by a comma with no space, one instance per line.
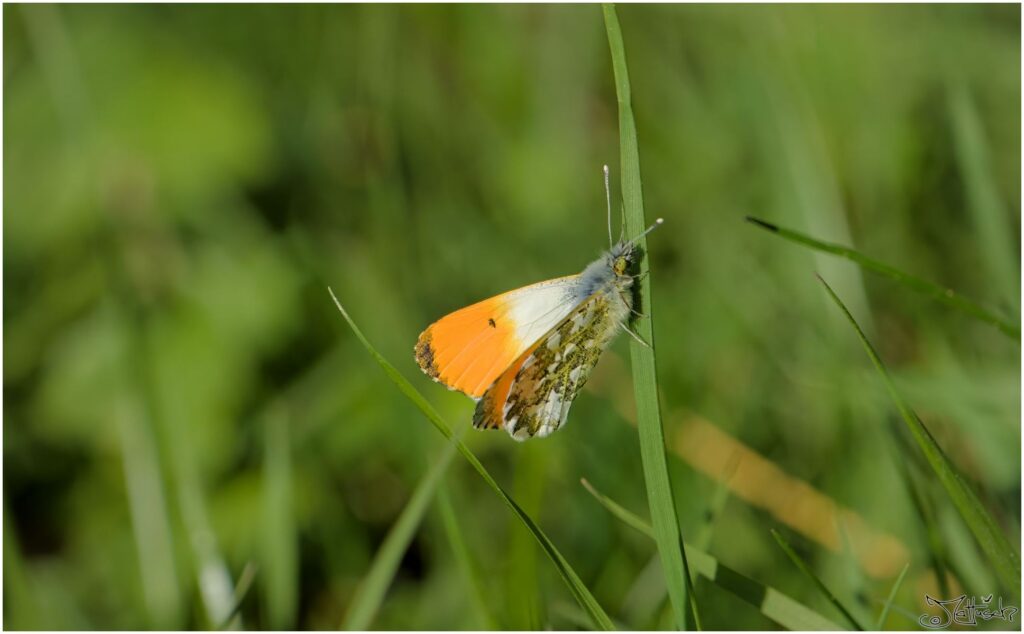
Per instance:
(623,256)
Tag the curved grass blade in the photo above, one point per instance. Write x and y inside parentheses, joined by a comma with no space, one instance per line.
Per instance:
(942,295)
(645,378)
(818,583)
(892,597)
(1001,555)
(579,591)
(773,604)
(375,584)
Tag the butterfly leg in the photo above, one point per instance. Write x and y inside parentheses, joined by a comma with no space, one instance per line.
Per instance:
(631,309)
(635,336)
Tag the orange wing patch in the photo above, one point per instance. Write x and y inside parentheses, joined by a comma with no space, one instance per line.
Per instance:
(468,349)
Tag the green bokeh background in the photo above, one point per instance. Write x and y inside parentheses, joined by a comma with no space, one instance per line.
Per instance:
(182,183)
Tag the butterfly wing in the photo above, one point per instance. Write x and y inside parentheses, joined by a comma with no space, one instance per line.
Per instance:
(470,348)
(533,396)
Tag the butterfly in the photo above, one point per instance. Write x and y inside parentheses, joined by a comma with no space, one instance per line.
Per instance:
(524,355)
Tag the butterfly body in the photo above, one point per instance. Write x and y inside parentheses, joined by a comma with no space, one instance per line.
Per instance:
(525,355)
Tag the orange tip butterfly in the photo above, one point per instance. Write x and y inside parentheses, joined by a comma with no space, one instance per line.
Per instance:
(524,355)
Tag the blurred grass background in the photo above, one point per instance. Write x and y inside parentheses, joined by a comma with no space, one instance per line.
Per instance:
(184,406)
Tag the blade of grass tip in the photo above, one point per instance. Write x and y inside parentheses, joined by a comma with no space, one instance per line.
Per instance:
(892,597)
(942,295)
(465,560)
(579,591)
(618,511)
(1001,555)
(774,605)
(241,593)
(645,380)
(375,584)
(818,583)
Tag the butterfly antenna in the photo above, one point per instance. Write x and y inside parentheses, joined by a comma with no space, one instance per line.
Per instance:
(657,223)
(608,197)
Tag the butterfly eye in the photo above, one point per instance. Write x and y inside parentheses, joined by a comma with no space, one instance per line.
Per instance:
(620,265)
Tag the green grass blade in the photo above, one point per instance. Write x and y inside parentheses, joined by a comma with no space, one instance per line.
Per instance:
(151,525)
(645,379)
(942,295)
(773,604)
(524,605)
(1001,555)
(991,218)
(280,538)
(465,560)
(572,580)
(375,584)
(242,588)
(818,583)
(922,506)
(892,597)
(934,291)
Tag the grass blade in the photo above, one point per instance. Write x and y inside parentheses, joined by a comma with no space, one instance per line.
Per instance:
(242,588)
(465,560)
(991,218)
(572,580)
(773,604)
(1001,555)
(942,295)
(375,584)
(892,597)
(280,538)
(818,583)
(921,502)
(645,379)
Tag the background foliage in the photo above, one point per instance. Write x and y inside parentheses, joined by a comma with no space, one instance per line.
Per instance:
(184,408)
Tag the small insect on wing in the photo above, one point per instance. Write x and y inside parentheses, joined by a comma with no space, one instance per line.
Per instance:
(471,347)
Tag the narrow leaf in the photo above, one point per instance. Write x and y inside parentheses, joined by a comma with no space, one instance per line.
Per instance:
(942,295)
(892,597)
